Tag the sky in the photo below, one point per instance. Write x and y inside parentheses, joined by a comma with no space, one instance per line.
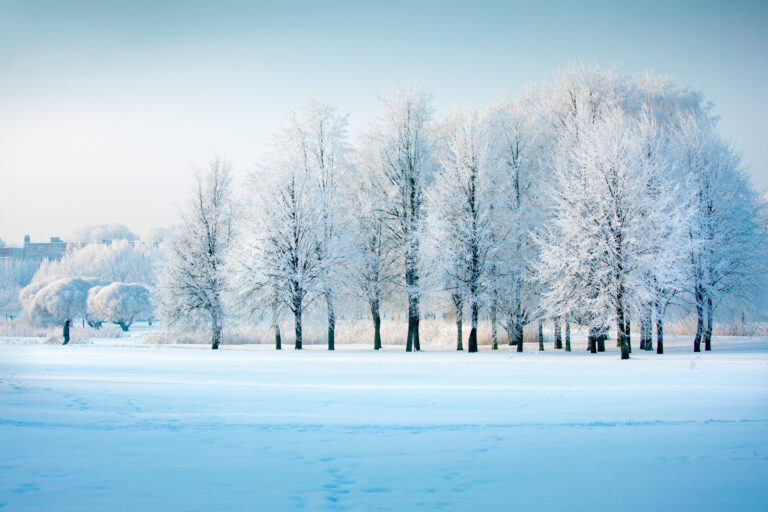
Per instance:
(106,108)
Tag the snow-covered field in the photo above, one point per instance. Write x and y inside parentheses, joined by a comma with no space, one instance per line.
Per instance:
(116,425)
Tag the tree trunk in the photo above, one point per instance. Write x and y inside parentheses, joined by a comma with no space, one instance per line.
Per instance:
(659,333)
(297,321)
(376,325)
(459,334)
(278,341)
(567,335)
(215,332)
(558,337)
(708,328)
(594,334)
(601,340)
(519,335)
(627,331)
(123,325)
(458,304)
(620,332)
(472,344)
(331,322)
(494,328)
(699,320)
(541,336)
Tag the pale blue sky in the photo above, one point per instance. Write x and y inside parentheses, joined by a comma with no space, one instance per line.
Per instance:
(104,106)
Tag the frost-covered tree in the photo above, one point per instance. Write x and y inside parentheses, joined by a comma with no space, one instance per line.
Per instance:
(463,213)
(15,274)
(600,247)
(404,163)
(321,137)
(373,269)
(519,140)
(119,303)
(727,239)
(278,260)
(193,281)
(119,261)
(53,302)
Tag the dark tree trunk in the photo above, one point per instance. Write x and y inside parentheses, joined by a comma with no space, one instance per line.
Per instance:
(297,321)
(699,319)
(594,334)
(459,334)
(567,335)
(601,340)
(558,337)
(649,329)
(278,341)
(659,333)
(708,328)
(124,326)
(519,335)
(376,325)
(472,344)
(416,343)
(541,336)
(621,333)
(331,322)
(215,332)
(627,331)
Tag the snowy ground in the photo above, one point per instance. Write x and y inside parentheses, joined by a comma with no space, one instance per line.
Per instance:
(119,426)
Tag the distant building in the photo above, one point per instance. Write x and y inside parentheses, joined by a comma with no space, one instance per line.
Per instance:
(52,250)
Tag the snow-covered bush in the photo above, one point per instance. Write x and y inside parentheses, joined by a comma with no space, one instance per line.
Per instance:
(119,303)
(53,302)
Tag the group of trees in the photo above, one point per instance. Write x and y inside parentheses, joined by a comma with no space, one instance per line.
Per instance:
(592,199)
(95,280)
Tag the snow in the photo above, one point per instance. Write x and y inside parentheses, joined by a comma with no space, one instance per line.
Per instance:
(116,425)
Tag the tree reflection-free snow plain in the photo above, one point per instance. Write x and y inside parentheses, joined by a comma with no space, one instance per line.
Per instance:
(116,425)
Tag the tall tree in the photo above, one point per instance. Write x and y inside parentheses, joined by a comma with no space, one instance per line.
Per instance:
(464,211)
(373,268)
(194,280)
(322,132)
(727,239)
(401,137)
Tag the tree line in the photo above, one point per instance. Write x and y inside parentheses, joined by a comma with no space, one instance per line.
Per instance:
(592,199)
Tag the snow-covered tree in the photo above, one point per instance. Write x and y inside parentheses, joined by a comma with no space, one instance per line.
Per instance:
(464,212)
(321,135)
(193,280)
(727,239)
(119,261)
(15,274)
(404,163)
(119,303)
(278,261)
(373,269)
(600,245)
(519,140)
(53,302)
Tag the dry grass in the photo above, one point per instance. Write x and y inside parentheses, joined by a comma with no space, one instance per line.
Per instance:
(23,329)
(432,332)
(687,327)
